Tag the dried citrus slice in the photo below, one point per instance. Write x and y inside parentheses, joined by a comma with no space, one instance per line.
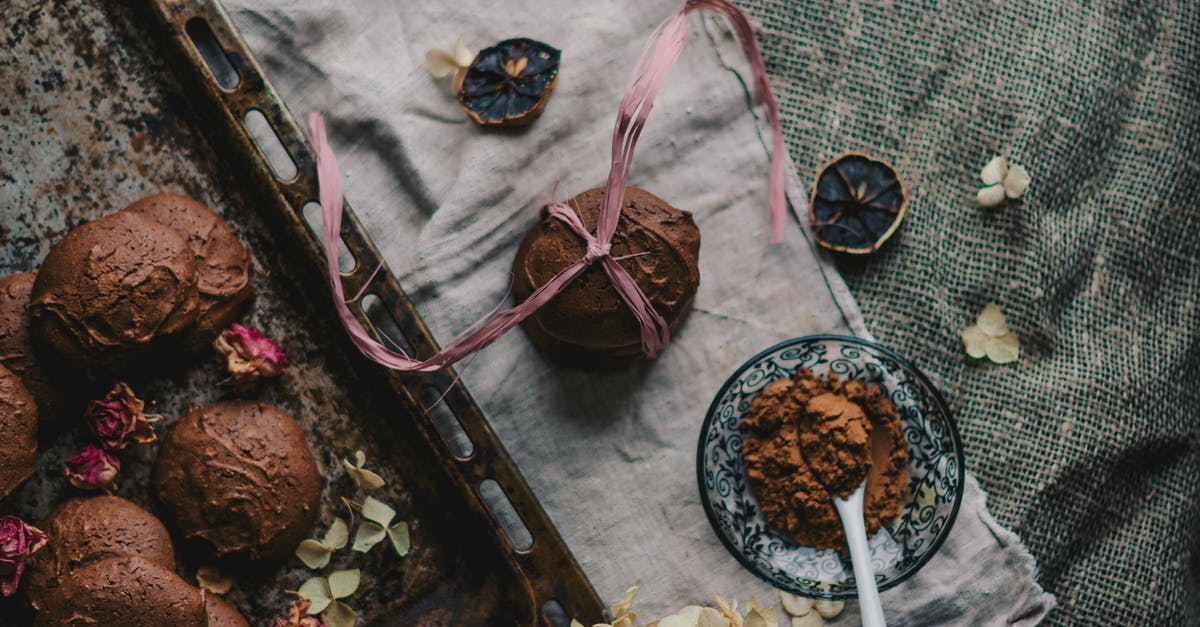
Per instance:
(509,83)
(857,203)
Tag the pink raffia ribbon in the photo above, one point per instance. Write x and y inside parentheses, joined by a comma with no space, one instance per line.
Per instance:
(650,72)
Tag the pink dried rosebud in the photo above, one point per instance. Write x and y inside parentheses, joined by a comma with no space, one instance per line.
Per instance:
(119,419)
(92,468)
(18,542)
(298,616)
(250,354)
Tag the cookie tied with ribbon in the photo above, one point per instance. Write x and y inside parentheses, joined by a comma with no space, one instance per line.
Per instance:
(628,245)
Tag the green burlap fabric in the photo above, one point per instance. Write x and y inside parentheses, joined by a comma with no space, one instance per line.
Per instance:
(1090,445)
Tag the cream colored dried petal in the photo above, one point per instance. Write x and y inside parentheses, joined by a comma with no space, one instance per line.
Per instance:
(811,619)
(624,621)
(1016,182)
(339,614)
(621,607)
(1004,349)
(575,623)
(343,583)
(462,55)
(975,342)
(440,63)
(796,605)
(338,534)
(368,535)
(990,196)
(316,590)
(675,620)
(758,618)
(709,617)
(314,554)
(995,170)
(991,320)
(692,612)
(829,609)
(377,511)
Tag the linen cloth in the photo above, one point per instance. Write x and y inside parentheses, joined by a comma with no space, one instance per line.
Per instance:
(610,455)
(1090,445)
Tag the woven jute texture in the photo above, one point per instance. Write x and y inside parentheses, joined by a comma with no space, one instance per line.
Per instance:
(1090,445)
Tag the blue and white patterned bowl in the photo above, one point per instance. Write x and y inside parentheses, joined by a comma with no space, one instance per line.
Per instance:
(927,508)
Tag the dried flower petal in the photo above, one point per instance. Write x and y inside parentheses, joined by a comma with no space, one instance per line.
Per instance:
(398,534)
(621,607)
(1016,182)
(990,196)
(18,542)
(92,468)
(708,617)
(316,590)
(975,341)
(250,355)
(811,619)
(796,605)
(377,511)
(991,320)
(118,419)
(1004,349)
(339,614)
(363,478)
(367,536)
(343,583)
(439,62)
(829,609)
(995,170)
(316,553)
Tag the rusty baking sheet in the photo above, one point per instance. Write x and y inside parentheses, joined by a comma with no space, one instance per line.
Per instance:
(103,102)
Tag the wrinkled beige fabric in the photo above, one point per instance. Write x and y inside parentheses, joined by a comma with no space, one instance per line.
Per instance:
(612,456)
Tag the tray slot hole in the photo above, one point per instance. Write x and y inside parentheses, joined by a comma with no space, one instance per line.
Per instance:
(556,615)
(446,422)
(506,515)
(213,54)
(270,145)
(346,260)
(386,325)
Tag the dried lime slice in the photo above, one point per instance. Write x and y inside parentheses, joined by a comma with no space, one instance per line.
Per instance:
(509,83)
(857,203)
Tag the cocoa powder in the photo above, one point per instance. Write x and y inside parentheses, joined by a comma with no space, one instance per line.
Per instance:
(809,438)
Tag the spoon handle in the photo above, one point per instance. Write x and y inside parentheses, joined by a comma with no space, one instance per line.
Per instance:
(850,509)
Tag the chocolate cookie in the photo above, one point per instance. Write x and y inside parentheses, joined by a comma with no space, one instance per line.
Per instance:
(124,591)
(111,292)
(222,614)
(223,263)
(18,432)
(81,531)
(239,475)
(587,324)
(16,348)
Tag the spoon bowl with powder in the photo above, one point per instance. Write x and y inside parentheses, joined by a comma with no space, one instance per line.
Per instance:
(768,480)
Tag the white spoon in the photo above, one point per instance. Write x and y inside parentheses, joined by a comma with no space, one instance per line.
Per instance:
(850,510)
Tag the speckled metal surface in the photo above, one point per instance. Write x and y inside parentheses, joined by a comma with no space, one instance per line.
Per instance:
(101,103)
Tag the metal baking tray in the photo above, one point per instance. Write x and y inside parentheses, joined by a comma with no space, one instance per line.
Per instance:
(102,102)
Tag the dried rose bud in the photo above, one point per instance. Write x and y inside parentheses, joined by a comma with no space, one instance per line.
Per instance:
(92,468)
(18,542)
(298,616)
(249,354)
(119,420)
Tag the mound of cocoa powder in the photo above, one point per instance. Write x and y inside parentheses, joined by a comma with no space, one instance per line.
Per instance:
(808,436)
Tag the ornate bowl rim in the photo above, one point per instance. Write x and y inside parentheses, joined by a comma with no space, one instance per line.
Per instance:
(959,458)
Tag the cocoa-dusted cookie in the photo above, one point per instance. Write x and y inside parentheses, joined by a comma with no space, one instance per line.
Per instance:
(239,475)
(81,531)
(18,432)
(587,324)
(222,614)
(16,347)
(223,263)
(110,293)
(122,591)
